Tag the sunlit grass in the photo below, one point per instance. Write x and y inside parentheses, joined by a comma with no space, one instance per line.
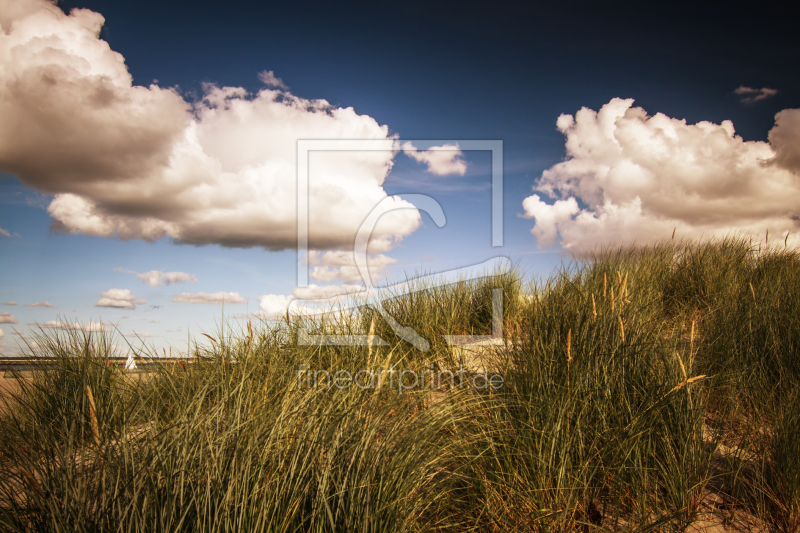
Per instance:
(638,386)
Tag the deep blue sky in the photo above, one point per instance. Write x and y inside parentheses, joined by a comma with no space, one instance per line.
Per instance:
(428,70)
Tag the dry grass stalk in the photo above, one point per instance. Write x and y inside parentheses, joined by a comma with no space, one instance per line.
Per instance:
(604,285)
(621,329)
(753,292)
(686,382)
(612,298)
(594,308)
(569,346)
(691,343)
(93,416)
(370,335)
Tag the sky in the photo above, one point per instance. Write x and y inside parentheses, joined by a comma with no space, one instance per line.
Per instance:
(148,150)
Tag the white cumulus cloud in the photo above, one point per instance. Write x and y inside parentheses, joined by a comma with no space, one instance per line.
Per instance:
(119,298)
(633,177)
(12,302)
(136,162)
(749,94)
(4,233)
(2,333)
(273,306)
(217,298)
(341,265)
(441,160)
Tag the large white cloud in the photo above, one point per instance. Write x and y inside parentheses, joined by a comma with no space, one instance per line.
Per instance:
(633,177)
(7,318)
(140,162)
(119,298)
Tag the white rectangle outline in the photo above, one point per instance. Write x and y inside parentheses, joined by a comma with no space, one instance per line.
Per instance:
(305,146)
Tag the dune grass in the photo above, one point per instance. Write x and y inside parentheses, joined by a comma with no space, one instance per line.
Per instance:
(639,387)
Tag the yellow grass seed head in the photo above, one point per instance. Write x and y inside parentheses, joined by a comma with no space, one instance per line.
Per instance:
(381,377)
(683,368)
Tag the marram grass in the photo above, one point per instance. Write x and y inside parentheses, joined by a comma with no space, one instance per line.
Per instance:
(639,387)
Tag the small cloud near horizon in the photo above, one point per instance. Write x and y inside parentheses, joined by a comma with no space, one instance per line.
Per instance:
(137,334)
(12,302)
(119,298)
(40,304)
(225,298)
(8,318)
(155,278)
(74,326)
